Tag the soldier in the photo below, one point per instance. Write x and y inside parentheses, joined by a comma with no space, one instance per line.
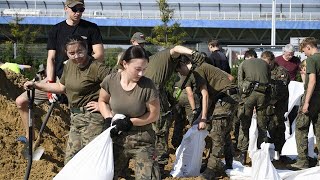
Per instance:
(186,108)
(160,68)
(255,91)
(278,105)
(309,111)
(80,81)
(130,93)
(222,101)
(237,132)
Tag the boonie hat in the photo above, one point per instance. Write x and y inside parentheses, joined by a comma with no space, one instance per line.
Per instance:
(72,3)
(139,37)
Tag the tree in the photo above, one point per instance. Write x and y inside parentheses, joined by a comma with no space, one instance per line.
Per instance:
(111,57)
(22,37)
(165,35)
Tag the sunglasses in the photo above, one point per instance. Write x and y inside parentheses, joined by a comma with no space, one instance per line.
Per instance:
(77,9)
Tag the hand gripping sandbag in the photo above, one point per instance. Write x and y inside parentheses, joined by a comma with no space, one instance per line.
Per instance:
(189,153)
(262,167)
(94,161)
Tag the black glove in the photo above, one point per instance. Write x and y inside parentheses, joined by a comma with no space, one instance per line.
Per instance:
(198,58)
(121,125)
(108,121)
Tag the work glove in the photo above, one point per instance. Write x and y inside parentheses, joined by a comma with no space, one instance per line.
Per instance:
(108,121)
(197,58)
(121,125)
(52,97)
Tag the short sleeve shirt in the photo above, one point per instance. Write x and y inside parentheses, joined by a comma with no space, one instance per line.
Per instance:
(61,31)
(256,70)
(130,103)
(216,79)
(161,66)
(292,66)
(313,66)
(83,84)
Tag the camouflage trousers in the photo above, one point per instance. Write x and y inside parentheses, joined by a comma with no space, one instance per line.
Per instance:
(182,115)
(276,126)
(303,122)
(161,127)
(84,128)
(221,122)
(137,144)
(254,100)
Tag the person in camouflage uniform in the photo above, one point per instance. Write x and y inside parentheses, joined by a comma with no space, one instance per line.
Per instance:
(309,111)
(80,82)
(186,108)
(160,68)
(255,91)
(222,102)
(133,95)
(280,79)
(237,129)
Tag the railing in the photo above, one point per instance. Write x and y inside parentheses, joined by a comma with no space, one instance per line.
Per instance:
(178,15)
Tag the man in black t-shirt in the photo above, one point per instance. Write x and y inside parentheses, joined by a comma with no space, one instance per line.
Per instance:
(218,58)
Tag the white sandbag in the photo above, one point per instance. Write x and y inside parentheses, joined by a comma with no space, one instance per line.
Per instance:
(296,91)
(94,161)
(189,153)
(262,168)
(253,135)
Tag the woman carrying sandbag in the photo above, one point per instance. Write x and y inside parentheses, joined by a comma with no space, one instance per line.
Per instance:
(80,82)
(135,96)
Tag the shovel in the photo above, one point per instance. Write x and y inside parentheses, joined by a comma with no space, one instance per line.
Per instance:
(38,150)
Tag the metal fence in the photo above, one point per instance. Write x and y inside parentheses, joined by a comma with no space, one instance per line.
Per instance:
(178,15)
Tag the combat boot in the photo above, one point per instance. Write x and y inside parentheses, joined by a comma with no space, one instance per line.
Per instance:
(228,164)
(208,174)
(300,164)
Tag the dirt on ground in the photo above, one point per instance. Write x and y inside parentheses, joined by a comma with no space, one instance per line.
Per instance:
(12,163)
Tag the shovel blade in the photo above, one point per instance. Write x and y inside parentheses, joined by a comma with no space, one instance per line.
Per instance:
(37,153)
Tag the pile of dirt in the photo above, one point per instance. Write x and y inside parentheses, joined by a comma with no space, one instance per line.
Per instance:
(12,163)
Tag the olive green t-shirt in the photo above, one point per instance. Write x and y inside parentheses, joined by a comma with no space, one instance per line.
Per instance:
(313,66)
(216,79)
(256,70)
(160,67)
(130,103)
(83,84)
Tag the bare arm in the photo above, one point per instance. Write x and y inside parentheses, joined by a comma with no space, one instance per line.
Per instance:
(151,116)
(309,92)
(47,87)
(50,65)
(205,98)
(191,98)
(98,52)
(177,50)
(103,102)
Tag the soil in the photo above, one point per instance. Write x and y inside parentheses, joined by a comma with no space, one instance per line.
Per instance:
(12,163)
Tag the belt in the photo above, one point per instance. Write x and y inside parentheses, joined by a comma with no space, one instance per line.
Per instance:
(232,91)
(78,110)
(142,128)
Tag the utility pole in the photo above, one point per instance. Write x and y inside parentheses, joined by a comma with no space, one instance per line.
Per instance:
(273,23)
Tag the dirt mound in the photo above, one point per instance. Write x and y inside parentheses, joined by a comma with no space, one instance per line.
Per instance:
(12,163)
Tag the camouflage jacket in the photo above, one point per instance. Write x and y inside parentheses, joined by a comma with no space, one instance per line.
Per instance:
(280,79)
